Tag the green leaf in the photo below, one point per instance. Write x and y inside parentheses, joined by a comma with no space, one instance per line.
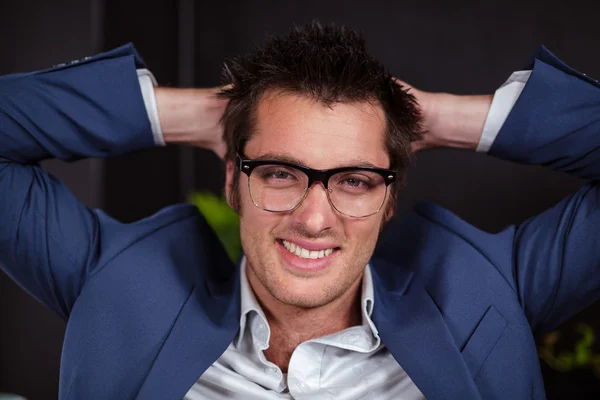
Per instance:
(222,219)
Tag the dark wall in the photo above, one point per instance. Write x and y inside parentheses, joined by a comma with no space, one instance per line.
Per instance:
(464,47)
(132,182)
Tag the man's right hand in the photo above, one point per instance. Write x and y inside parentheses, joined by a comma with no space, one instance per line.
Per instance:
(192,117)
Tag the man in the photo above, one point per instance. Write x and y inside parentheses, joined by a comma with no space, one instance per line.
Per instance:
(317,139)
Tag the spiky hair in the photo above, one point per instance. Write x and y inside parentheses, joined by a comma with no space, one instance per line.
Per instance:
(328,63)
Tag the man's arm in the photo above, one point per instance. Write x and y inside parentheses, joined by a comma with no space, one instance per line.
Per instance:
(49,241)
(556,255)
(451,120)
(556,123)
(192,117)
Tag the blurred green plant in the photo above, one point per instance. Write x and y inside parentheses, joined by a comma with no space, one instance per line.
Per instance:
(580,356)
(222,219)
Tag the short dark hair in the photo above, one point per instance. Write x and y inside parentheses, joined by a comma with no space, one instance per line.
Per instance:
(328,63)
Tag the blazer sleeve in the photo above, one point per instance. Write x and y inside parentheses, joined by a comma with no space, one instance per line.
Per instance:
(49,241)
(556,255)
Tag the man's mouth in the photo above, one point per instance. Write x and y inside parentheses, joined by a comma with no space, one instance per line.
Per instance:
(301,252)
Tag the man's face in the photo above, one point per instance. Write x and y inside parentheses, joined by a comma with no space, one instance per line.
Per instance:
(296,127)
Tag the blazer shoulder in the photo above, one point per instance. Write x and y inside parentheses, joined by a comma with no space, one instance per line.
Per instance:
(172,224)
(498,243)
(446,219)
(430,233)
(161,218)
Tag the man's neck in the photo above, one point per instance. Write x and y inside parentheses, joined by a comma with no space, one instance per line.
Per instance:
(291,326)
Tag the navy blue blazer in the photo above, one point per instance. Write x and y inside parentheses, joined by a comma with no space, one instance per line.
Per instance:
(152,304)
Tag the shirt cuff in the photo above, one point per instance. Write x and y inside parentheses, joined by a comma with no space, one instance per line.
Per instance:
(147,85)
(504,99)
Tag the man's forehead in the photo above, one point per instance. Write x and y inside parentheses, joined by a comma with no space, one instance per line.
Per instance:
(272,100)
(308,132)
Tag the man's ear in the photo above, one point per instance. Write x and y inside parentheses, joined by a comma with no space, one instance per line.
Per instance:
(389,213)
(229,171)
(390,207)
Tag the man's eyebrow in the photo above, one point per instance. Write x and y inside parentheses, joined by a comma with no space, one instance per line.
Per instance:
(356,162)
(279,157)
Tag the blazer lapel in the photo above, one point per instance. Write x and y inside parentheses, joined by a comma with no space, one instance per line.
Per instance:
(408,322)
(413,330)
(206,325)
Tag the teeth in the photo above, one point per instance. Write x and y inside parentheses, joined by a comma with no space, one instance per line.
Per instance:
(304,253)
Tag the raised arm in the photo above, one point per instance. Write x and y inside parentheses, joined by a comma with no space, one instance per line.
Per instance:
(192,117)
(91,108)
(555,122)
(50,243)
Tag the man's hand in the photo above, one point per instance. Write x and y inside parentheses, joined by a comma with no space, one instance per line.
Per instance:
(450,120)
(192,117)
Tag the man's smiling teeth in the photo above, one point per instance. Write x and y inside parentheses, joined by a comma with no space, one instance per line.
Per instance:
(304,253)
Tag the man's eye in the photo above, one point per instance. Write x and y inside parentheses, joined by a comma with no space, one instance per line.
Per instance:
(357,181)
(354,182)
(279,175)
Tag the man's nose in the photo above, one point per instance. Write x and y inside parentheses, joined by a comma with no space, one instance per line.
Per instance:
(316,212)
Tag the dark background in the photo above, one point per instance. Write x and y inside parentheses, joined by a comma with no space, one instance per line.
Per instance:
(466,47)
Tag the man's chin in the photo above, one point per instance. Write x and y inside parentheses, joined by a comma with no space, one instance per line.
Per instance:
(298,291)
(302,300)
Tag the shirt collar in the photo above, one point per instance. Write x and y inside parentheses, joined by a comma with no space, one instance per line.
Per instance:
(249,303)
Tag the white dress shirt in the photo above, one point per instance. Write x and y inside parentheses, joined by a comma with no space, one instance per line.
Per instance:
(350,364)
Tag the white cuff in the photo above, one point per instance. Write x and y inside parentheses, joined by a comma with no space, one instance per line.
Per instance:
(504,99)
(147,85)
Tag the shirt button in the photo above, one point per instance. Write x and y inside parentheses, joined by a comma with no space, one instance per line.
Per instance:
(271,370)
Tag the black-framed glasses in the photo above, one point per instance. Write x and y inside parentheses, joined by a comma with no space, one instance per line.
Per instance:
(279,186)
